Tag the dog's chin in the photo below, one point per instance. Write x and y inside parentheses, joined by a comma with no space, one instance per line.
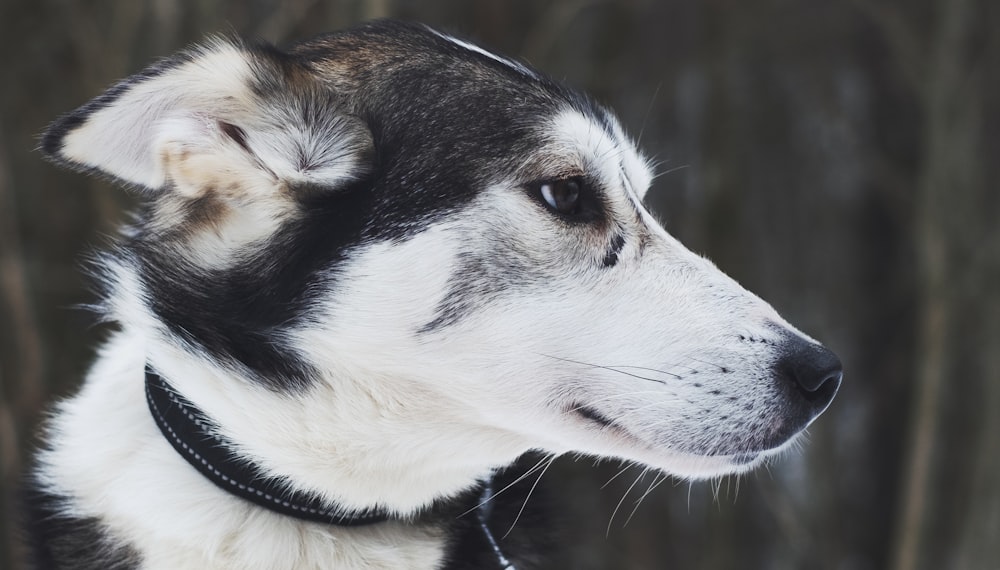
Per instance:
(696,466)
(686,464)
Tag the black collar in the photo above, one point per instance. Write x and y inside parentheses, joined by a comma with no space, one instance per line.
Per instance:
(196,438)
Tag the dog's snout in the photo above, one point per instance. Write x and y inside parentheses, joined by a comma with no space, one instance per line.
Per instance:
(814,371)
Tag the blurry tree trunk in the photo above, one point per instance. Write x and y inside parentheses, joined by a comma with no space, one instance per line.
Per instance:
(949,470)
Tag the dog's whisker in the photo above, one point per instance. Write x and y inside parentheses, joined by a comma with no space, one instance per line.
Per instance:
(649,109)
(708,363)
(657,479)
(508,486)
(612,152)
(622,500)
(552,459)
(657,370)
(603,368)
(670,170)
(615,476)
(716,486)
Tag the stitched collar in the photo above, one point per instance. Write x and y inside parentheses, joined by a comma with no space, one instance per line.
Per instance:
(195,438)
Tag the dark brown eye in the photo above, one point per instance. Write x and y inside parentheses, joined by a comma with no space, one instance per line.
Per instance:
(562,196)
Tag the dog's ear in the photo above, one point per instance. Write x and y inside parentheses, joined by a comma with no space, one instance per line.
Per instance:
(225,115)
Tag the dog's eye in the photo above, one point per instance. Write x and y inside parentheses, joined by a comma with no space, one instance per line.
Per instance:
(562,196)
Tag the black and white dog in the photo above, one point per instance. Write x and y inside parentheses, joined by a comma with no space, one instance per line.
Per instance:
(372,270)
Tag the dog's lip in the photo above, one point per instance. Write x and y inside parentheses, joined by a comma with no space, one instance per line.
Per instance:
(605,423)
(595,416)
(740,459)
(744,458)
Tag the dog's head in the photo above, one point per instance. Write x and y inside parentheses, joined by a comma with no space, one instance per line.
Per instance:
(395,213)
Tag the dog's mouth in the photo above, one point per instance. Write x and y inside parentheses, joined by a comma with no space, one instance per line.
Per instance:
(594,416)
(607,424)
(737,461)
(738,456)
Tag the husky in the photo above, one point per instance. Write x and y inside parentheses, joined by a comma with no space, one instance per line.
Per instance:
(370,271)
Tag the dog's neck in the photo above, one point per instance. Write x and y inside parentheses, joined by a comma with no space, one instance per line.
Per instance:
(195,437)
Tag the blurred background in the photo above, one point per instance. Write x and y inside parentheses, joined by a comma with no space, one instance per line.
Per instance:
(838,157)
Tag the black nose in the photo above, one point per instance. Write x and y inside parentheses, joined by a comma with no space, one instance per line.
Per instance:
(814,371)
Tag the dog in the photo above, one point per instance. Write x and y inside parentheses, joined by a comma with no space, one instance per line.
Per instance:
(371,270)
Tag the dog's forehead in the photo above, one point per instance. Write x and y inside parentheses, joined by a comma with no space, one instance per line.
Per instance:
(450,115)
(373,52)
(432,88)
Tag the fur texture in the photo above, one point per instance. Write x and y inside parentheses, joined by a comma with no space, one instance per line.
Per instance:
(350,259)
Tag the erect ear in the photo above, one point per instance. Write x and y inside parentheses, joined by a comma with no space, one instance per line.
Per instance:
(222,115)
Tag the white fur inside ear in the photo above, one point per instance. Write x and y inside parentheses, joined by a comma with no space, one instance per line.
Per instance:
(196,157)
(117,138)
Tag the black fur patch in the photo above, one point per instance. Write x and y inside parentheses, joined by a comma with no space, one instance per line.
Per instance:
(617,243)
(479,279)
(58,541)
(238,314)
